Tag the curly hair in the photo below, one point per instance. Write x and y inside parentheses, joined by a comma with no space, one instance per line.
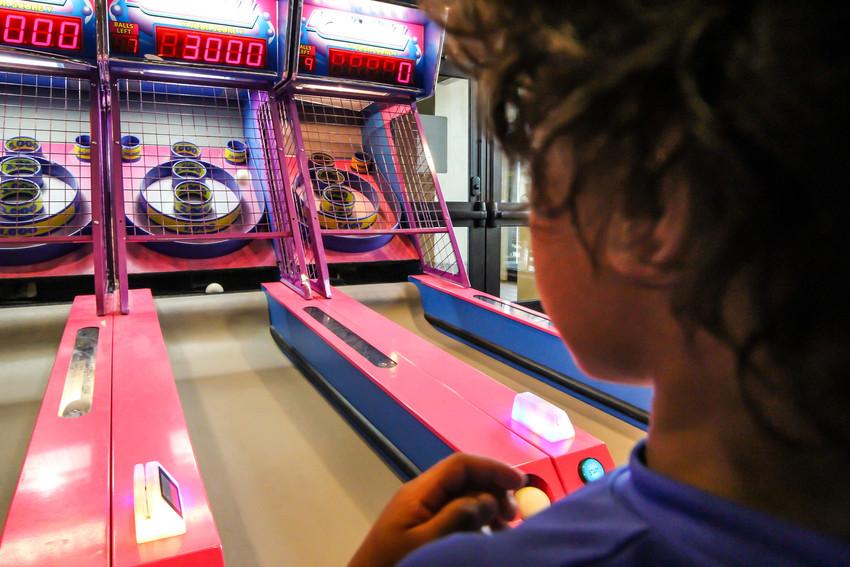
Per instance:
(754,96)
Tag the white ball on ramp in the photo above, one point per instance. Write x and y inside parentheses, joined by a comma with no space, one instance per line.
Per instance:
(243,177)
(214,289)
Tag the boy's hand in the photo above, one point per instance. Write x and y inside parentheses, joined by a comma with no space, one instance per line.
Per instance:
(461,493)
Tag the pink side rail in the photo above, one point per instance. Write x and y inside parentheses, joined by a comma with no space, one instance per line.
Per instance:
(148,425)
(465,408)
(492,397)
(60,512)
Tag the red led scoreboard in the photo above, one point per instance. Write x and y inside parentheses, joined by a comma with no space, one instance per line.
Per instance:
(204,47)
(236,36)
(30,29)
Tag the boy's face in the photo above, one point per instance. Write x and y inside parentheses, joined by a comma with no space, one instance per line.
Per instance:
(610,320)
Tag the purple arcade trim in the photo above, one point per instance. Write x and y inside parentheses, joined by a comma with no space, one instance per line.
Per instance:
(287,203)
(97,201)
(117,194)
(324,283)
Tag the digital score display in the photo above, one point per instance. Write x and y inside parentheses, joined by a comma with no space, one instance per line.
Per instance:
(48,31)
(356,41)
(210,48)
(345,64)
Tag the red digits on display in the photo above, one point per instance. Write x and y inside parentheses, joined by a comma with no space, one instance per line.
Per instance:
(256,54)
(234,52)
(192,47)
(310,63)
(369,67)
(212,53)
(69,35)
(217,49)
(14,29)
(405,72)
(40,30)
(168,45)
(337,58)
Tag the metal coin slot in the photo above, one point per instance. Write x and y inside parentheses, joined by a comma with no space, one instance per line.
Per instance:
(351,338)
(79,380)
(515,311)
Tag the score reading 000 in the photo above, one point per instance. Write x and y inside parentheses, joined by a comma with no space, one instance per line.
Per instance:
(40,30)
(213,48)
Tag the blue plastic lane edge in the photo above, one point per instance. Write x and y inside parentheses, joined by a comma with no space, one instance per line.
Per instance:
(546,380)
(406,432)
(541,347)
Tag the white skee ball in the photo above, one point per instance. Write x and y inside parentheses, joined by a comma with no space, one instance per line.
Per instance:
(214,289)
(243,177)
(531,501)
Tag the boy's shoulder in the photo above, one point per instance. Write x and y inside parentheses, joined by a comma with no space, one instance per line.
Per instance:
(634,516)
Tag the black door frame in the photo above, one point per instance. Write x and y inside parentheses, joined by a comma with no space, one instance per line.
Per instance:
(484,214)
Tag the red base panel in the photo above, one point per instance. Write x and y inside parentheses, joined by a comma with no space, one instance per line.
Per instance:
(76,263)
(142,260)
(60,512)
(148,425)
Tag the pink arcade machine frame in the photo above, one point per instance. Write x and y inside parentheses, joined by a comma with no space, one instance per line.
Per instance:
(355,161)
(192,111)
(52,225)
(353,141)
(51,190)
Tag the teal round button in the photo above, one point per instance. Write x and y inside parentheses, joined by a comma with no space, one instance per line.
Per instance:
(590,470)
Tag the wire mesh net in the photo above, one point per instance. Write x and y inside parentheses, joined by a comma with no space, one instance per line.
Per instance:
(195,163)
(303,210)
(368,173)
(366,176)
(288,250)
(45,169)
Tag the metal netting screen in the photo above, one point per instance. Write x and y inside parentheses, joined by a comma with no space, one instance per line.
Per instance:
(195,164)
(45,168)
(366,171)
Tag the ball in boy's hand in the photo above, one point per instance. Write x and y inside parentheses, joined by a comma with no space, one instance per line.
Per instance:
(530,501)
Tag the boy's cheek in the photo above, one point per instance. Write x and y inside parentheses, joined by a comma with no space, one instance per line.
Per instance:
(579,303)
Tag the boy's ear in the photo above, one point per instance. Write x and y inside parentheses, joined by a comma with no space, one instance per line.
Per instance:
(649,250)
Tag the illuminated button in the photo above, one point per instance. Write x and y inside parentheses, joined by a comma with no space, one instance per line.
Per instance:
(546,420)
(590,470)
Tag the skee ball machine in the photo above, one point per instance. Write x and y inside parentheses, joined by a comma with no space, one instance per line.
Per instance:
(52,227)
(360,173)
(50,186)
(192,163)
(193,187)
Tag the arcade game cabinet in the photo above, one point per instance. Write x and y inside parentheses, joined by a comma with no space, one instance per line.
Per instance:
(361,178)
(51,228)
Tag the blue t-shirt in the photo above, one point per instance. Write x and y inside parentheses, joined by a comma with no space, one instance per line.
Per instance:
(634,516)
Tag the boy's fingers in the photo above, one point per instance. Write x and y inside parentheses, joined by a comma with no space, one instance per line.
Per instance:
(460,474)
(468,513)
